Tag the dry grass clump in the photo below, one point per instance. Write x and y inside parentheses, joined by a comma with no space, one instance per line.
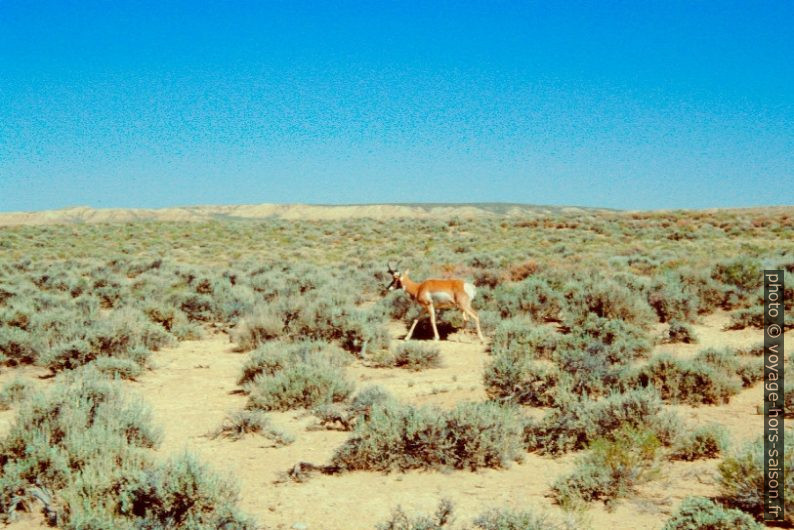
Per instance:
(242,422)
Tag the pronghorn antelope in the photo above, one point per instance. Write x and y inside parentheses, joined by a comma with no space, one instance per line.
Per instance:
(437,294)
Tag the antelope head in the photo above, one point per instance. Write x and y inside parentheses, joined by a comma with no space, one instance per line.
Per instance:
(396,278)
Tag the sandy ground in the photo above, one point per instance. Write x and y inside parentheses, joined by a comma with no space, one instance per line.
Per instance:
(193,386)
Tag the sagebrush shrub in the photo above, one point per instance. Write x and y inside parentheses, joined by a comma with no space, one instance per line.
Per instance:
(601,297)
(678,331)
(504,519)
(273,357)
(707,441)
(756,350)
(741,477)
(18,346)
(303,376)
(183,493)
(15,391)
(698,513)
(575,422)
(253,330)
(522,381)
(611,469)
(118,368)
(532,297)
(671,300)
(83,449)
(325,316)
(598,355)
(412,356)
(400,437)
(744,273)
(686,381)
(520,337)
(299,386)
(707,291)
(751,371)
(67,425)
(725,359)
(399,520)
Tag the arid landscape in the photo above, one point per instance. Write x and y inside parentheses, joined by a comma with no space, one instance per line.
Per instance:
(243,367)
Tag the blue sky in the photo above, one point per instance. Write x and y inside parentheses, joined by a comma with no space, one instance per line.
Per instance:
(636,105)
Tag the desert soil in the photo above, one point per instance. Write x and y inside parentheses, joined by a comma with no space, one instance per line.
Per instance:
(193,386)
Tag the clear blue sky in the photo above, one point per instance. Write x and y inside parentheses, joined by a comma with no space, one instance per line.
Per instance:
(657,104)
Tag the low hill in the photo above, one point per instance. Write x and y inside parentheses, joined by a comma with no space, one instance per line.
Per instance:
(85,214)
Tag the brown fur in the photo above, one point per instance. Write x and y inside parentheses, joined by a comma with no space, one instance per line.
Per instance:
(421,293)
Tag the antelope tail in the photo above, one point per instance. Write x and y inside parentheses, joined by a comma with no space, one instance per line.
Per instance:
(470,290)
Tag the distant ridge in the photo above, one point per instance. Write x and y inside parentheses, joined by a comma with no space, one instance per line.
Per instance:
(86,214)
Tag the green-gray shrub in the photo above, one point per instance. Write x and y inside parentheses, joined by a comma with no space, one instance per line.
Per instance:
(18,346)
(520,337)
(522,381)
(400,520)
(575,423)
(611,469)
(678,331)
(700,513)
(532,297)
(183,493)
(83,448)
(412,356)
(255,329)
(671,300)
(503,519)
(751,371)
(118,368)
(15,391)
(744,273)
(301,385)
(602,297)
(741,478)
(273,357)
(708,441)
(400,437)
(685,381)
